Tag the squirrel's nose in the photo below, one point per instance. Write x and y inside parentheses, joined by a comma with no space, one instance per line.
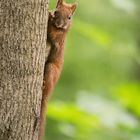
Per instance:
(59,23)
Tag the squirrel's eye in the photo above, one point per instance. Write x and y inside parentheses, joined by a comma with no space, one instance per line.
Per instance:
(69,17)
(56,13)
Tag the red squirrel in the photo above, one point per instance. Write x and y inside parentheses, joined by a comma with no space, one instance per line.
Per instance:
(58,25)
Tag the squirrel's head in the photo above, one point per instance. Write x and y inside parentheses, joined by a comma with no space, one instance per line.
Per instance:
(63,14)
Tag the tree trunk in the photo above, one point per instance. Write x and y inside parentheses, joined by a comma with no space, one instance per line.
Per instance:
(23,33)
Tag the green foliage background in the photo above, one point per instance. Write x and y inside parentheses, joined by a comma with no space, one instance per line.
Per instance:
(98,94)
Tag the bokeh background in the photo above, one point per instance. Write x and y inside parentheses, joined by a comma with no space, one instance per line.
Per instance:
(98,94)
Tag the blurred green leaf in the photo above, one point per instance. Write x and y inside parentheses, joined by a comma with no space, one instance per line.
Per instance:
(93,32)
(71,113)
(129,95)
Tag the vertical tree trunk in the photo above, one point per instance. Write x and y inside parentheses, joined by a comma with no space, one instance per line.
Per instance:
(23,31)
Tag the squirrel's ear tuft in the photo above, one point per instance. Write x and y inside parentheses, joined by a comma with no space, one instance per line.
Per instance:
(59,2)
(73,7)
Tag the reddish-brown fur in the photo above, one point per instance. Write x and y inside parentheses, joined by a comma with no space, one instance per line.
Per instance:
(58,25)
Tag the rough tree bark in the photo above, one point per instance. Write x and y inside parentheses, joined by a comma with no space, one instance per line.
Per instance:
(23,28)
